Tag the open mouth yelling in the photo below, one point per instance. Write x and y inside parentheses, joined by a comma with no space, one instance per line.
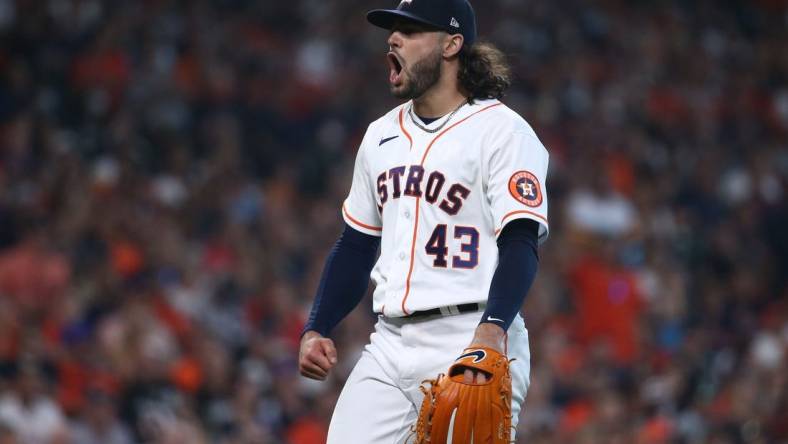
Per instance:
(395,68)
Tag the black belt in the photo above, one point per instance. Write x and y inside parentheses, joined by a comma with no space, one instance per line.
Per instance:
(448,310)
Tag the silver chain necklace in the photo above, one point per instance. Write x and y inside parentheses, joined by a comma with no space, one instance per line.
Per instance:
(434,130)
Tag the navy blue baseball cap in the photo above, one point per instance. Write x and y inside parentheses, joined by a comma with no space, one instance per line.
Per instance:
(452,16)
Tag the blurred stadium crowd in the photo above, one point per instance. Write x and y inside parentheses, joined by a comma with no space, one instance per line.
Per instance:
(171,174)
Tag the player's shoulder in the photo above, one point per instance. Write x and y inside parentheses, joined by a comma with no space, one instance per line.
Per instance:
(391,118)
(383,125)
(502,118)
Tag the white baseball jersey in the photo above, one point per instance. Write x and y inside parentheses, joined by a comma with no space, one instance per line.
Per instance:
(439,201)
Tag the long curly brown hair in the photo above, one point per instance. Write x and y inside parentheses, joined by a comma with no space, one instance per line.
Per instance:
(484,71)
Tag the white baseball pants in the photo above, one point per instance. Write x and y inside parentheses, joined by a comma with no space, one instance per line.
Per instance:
(381,398)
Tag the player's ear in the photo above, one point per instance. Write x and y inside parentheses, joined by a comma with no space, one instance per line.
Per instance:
(452,43)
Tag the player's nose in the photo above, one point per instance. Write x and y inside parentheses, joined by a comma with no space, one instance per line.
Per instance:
(395,39)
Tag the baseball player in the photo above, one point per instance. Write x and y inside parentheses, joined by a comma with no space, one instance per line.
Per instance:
(451,186)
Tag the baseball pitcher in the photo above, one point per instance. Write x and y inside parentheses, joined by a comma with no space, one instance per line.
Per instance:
(450,187)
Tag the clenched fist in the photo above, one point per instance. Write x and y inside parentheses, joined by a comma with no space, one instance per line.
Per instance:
(316,356)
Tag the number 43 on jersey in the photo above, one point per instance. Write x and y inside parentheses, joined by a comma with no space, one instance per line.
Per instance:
(468,256)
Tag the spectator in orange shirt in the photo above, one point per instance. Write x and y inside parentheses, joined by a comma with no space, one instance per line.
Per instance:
(607,306)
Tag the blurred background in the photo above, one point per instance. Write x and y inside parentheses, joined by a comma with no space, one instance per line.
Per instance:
(171,174)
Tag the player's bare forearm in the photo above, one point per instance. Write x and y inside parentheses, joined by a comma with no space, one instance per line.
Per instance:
(316,356)
(489,335)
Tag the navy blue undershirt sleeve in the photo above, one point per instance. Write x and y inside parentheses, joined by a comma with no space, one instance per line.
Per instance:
(344,280)
(517,264)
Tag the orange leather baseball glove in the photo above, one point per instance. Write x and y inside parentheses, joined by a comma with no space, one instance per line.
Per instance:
(460,413)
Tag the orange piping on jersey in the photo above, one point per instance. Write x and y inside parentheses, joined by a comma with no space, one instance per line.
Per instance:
(404,131)
(368,227)
(412,254)
(418,199)
(427,151)
(520,212)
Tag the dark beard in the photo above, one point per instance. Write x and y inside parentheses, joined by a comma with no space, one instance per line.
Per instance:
(422,76)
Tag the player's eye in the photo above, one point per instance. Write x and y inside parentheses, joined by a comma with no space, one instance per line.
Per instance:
(407,28)
(403,30)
